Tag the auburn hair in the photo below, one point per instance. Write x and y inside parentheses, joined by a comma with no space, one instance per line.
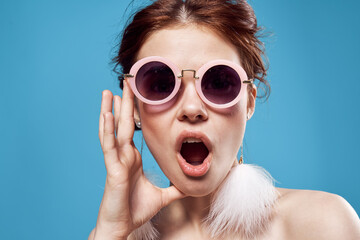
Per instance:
(233,19)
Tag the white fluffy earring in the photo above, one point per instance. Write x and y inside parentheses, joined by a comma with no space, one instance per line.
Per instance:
(243,204)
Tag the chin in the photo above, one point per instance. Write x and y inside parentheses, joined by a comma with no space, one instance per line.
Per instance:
(192,191)
(196,187)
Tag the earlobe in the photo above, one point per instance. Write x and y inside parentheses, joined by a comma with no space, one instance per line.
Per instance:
(252,91)
(137,119)
(138,124)
(248,115)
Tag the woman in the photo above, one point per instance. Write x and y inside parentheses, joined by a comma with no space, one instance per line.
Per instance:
(188,71)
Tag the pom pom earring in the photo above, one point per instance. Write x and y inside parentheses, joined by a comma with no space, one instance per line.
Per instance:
(243,204)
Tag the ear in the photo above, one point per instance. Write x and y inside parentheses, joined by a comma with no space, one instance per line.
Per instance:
(252,90)
(136,113)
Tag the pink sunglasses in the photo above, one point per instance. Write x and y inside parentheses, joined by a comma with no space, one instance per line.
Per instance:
(156,80)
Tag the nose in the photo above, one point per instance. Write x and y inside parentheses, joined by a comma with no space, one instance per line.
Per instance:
(191,107)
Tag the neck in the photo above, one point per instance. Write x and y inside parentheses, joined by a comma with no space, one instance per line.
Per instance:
(196,208)
(187,213)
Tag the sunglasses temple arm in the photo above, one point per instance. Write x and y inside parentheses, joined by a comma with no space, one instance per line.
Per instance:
(128,75)
(248,81)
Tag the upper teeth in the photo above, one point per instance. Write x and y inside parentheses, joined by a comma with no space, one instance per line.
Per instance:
(191,140)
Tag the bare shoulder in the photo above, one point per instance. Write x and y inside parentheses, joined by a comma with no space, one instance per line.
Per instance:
(319,215)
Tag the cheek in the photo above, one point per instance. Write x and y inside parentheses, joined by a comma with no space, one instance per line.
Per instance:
(156,119)
(155,140)
(230,129)
(156,128)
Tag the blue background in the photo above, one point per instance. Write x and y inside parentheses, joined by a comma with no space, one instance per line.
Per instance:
(54,63)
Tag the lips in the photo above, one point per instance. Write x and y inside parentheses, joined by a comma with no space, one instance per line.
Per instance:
(194,153)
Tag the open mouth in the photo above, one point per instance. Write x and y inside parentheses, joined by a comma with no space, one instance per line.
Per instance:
(194,151)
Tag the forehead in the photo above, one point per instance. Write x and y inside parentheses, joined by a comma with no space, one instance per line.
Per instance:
(188,46)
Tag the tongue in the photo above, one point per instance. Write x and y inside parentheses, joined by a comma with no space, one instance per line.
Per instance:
(194,153)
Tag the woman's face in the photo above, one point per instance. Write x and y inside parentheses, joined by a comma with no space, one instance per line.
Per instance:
(187,118)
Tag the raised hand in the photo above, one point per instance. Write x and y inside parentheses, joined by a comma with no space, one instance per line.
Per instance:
(129,199)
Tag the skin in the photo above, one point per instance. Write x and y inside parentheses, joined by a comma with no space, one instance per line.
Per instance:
(130,199)
(188,112)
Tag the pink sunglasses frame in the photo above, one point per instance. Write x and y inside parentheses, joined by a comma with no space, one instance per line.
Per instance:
(179,74)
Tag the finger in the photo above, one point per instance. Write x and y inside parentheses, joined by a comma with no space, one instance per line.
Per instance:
(117,104)
(126,121)
(106,106)
(108,147)
(170,194)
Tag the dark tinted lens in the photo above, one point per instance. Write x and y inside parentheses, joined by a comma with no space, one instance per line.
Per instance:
(221,84)
(155,81)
